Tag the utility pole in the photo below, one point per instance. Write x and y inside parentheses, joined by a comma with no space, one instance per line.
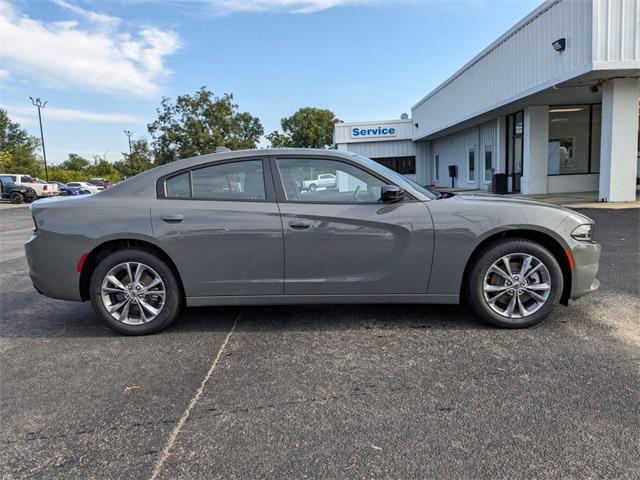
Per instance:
(128,133)
(40,105)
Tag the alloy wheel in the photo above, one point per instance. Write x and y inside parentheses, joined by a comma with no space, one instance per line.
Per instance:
(517,285)
(133,293)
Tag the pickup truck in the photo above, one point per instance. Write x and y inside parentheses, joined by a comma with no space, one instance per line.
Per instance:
(16,193)
(42,189)
(326,180)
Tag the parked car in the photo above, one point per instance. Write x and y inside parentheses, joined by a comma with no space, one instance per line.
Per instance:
(178,235)
(16,193)
(325,180)
(101,183)
(65,189)
(85,186)
(42,189)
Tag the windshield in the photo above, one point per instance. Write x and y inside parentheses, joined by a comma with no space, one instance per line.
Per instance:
(399,178)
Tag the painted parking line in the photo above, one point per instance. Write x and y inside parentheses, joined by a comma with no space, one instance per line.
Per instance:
(166,451)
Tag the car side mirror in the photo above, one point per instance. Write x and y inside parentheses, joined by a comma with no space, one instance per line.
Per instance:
(391,193)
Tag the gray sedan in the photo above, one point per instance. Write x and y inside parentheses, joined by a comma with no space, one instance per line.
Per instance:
(239,228)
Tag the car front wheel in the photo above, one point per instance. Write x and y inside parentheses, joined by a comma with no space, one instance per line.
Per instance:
(16,198)
(134,292)
(514,283)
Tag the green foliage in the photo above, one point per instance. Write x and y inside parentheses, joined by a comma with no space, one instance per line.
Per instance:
(139,160)
(307,128)
(79,169)
(17,148)
(197,124)
(75,162)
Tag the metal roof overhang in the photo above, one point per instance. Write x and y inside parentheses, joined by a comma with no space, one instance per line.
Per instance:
(576,90)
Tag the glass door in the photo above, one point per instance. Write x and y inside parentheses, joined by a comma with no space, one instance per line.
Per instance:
(515,150)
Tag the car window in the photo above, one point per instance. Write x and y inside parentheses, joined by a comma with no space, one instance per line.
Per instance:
(341,182)
(230,181)
(178,186)
(73,184)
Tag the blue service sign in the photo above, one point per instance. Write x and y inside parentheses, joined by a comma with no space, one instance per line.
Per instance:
(368,132)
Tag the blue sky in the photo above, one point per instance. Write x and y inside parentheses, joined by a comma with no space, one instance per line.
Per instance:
(103,66)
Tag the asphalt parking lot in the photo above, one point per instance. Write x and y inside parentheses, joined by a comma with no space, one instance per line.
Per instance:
(323,391)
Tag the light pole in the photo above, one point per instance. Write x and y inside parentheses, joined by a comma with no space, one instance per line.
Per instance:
(40,105)
(128,133)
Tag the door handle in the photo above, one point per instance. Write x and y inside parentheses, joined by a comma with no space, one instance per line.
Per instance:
(299,225)
(172,218)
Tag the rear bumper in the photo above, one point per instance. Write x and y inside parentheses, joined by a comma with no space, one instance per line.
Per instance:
(52,270)
(586,257)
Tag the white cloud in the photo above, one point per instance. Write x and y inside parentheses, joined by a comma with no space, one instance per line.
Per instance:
(100,18)
(4,74)
(292,6)
(96,53)
(27,114)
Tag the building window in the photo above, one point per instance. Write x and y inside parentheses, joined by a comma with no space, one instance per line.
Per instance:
(471,165)
(403,165)
(436,167)
(574,139)
(488,162)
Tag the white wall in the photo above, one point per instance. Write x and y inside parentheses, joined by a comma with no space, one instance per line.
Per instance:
(453,150)
(536,157)
(573,183)
(519,63)
(616,34)
(618,145)
(390,148)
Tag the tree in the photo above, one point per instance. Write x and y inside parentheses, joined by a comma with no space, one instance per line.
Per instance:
(17,148)
(197,124)
(139,160)
(307,128)
(102,168)
(75,162)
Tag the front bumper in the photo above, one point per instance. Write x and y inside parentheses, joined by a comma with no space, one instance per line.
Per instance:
(586,257)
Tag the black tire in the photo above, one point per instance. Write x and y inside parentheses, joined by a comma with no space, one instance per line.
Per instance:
(313,187)
(172,304)
(16,198)
(492,253)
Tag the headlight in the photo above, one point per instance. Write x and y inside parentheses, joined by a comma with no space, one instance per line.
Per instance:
(583,233)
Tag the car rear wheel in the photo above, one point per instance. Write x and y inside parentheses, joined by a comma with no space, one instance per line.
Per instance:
(514,283)
(135,292)
(16,198)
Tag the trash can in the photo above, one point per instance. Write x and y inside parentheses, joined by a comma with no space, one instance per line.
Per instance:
(499,183)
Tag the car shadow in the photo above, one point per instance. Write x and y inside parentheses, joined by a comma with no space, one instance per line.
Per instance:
(59,319)
(333,317)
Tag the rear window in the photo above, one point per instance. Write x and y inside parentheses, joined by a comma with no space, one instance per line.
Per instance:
(178,186)
(238,180)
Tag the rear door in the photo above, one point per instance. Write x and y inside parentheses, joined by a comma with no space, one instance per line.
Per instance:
(221,225)
(343,240)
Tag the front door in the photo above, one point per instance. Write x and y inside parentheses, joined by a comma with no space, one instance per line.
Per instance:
(221,226)
(341,240)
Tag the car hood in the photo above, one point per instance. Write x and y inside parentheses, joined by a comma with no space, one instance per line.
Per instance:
(505,202)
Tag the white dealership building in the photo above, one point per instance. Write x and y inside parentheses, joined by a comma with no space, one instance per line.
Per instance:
(553,104)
